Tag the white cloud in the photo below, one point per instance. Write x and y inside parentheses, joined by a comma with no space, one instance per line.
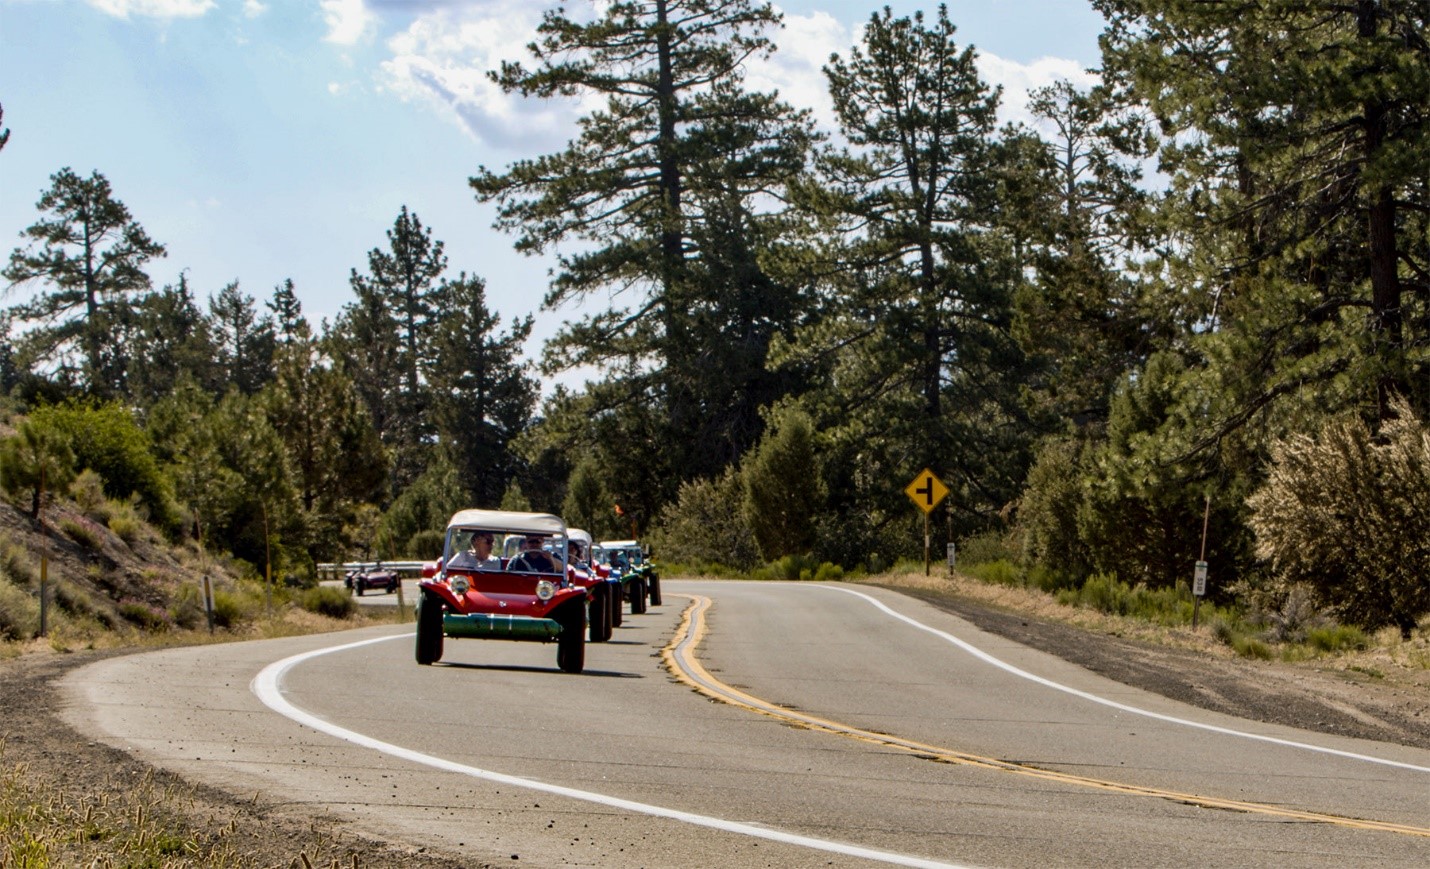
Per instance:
(349,21)
(796,70)
(1018,80)
(254,8)
(153,8)
(443,58)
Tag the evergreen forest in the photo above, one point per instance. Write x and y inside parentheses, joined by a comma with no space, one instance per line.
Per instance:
(1183,316)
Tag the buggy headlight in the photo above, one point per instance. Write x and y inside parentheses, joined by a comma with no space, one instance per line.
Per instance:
(460,584)
(546,589)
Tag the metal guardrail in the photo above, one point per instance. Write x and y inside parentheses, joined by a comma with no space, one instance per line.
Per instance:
(332,570)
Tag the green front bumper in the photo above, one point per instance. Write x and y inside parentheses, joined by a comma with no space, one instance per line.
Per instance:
(483,626)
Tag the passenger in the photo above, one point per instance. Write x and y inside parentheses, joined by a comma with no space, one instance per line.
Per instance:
(478,555)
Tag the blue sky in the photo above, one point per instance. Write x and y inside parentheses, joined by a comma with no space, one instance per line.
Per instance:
(268,139)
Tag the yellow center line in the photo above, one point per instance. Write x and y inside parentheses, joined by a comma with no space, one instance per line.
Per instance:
(680,659)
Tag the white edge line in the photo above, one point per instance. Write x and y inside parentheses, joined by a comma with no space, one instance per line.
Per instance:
(266,686)
(1171,719)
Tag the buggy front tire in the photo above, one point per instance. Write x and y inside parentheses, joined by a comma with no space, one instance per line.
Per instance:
(429,629)
(571,643)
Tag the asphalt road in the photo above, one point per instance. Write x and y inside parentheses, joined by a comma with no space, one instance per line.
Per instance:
(798,725)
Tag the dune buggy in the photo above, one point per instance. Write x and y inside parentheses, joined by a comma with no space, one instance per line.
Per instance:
(528,596)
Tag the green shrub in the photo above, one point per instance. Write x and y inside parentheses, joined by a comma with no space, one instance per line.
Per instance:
(19,612)
(707,524)
(989,546)
(81,532)
(1000,572)
(16,563)
(87,490)
(790,567)
(1337,638)
(327,601)
(1345,512)
(109,440)
(232,609)
(1251,647)
(1050,580)
(144,615)
(186,608)
(71,599)
(426,545)
(124,520)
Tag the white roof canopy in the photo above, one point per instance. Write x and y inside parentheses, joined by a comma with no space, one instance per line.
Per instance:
(508,522)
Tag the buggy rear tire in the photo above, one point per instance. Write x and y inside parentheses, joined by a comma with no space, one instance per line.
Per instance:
(637,597)
(429,629)
(618,603)
(600,618)
(654,590)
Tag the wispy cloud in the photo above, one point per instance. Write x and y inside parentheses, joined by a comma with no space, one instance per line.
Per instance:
(254,8)
(153,8)
(443,57)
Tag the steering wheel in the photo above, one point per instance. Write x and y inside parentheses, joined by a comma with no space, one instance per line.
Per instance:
(532,562)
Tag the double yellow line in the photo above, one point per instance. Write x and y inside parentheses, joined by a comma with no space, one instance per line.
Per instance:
(680,659)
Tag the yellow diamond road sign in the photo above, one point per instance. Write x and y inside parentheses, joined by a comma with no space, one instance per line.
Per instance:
(926,490)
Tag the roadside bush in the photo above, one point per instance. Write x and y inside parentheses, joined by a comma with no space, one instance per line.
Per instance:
(108,440)
(1251,647)
(87,490)
(1048,511)
(232,609)
(1000,572)
(186,607)
(426,545)
(144,615)
(798,568)
(988,546)
(19,612)
(331,602)
(124,521)
(1050,580)
(1345,512)
(1337,638)
(81,532)
(707,525)
(17,564)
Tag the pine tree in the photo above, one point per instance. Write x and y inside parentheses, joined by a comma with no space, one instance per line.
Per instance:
(679,155)
(244,340)
(483,395)
(91,251)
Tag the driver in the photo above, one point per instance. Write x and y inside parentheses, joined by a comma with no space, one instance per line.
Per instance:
(532,558)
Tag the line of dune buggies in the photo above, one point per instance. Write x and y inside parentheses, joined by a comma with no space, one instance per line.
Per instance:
(526,576)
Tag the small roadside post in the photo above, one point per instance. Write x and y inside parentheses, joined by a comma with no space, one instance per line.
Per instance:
(44,596)
(208,593)
(952,555)
(1199,575)
(926,491)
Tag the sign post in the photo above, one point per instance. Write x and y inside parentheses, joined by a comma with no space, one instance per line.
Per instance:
(1199,576)
(926,491)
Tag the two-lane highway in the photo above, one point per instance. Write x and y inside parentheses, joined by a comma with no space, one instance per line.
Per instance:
(797,725)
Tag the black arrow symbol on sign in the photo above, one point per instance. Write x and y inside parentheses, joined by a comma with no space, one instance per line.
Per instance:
(927,490)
